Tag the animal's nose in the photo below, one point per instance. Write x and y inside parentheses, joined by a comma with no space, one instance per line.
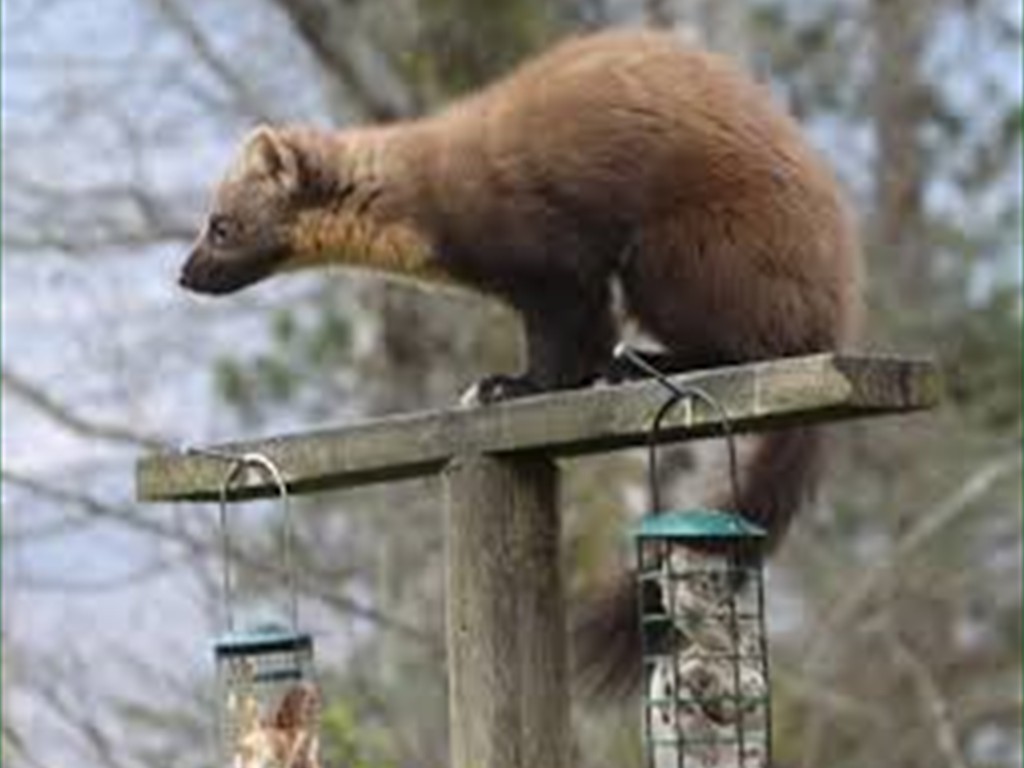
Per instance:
(186,276)
(192,271)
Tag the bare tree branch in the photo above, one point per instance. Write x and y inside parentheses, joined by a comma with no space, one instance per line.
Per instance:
(327,594)
(14,746)
(827,697)
(935,704)
(67,697)
(43,401)
(93,507)
(117,215)
(130,579)
(245,97)
(326,26)
(932,522)
(827,635)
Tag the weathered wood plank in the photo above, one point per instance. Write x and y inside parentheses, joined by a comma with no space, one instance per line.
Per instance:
(507,665)
(799,390)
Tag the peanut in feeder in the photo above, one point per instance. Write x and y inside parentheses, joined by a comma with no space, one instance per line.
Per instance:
(269,705)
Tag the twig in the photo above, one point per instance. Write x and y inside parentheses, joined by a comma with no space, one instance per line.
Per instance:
(202,46)
(935,704)
(341,603)
(43,401)
(931,523)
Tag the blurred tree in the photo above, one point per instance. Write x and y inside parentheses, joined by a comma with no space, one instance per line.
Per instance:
(898,569)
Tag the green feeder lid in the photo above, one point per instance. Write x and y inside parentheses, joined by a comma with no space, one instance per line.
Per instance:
(697,524)
(265,638)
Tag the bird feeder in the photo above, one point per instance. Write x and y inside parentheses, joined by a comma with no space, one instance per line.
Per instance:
(706,703)
(702,618)
(269,705)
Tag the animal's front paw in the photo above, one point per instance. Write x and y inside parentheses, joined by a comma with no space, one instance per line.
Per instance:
(494,389)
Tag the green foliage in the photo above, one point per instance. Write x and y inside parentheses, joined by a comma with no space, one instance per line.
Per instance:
(464,43)
(251,385)
(982,357)
(318,338)
(344,742)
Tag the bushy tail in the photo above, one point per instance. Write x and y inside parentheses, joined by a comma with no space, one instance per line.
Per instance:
(779,477)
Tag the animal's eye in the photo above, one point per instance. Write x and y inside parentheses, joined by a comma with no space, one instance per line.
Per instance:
(221,230)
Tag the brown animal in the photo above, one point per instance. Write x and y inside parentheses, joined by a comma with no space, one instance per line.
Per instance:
(624,156)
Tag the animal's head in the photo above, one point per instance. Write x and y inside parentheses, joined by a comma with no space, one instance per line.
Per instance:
(248,233)
(296,198)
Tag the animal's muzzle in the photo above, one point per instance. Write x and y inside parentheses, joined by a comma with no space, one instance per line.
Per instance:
(203,273)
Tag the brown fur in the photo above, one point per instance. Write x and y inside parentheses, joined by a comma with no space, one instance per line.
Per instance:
(621,156)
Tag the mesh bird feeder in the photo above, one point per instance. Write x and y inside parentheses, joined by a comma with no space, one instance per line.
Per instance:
(707,697)
(702,615)
(269,705)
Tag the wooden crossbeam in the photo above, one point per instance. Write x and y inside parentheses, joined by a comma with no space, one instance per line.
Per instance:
(757,396)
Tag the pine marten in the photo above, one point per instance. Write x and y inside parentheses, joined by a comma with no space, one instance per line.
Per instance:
(622,157)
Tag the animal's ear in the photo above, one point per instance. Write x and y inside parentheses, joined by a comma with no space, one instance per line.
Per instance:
(267,153)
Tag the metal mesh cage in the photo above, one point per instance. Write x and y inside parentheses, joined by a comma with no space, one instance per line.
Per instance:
(269,704)
(706,701)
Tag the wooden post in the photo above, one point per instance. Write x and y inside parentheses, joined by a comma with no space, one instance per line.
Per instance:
(507,675)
